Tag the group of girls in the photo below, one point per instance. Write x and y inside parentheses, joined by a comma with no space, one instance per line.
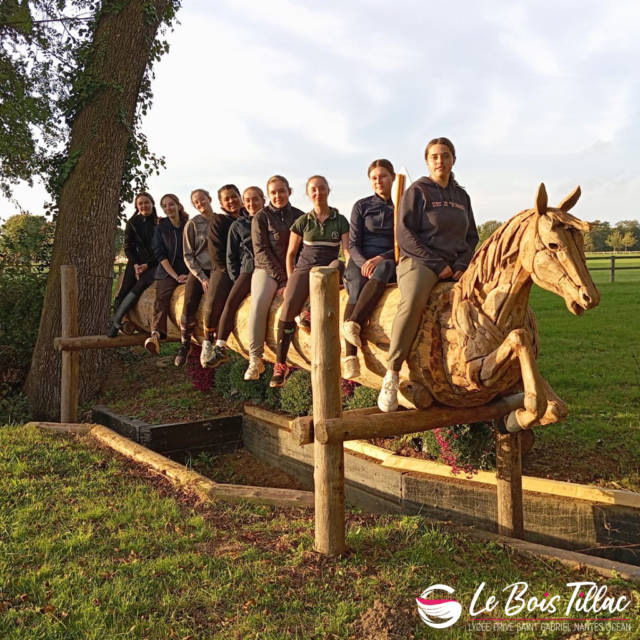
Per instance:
(264,250)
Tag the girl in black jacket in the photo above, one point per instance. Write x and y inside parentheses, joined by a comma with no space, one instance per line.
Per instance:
(171,270)
(239,269)
(219,281)
(139,272)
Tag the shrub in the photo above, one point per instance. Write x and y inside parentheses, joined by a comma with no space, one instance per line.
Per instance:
(201,378)
(21,297)
(295,396)
(230,382)
(466,447)
(362,397)
(14,406)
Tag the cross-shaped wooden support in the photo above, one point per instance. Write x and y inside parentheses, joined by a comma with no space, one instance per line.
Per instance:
(329,428)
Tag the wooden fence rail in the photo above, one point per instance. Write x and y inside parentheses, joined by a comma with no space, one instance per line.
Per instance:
(611,268)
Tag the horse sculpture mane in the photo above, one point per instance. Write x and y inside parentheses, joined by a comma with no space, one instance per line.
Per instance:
(478,338)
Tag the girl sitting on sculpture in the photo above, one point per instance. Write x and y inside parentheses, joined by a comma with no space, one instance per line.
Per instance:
(270,239)
(139,272)
(196,257)
(436,235)
(372,263)
(219,281)
(240,267)
(322,232)
(171,270)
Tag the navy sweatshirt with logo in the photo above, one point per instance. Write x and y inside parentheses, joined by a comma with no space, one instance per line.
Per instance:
(436,225)
(371,229)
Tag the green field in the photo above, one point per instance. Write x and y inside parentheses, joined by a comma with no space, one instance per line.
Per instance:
(593,363)
(627,268)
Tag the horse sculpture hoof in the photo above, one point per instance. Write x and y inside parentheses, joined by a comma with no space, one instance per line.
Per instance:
(415,393)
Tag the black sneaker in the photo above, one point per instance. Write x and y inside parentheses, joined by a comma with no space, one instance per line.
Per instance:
(280,372)
(220,355)
(183,353)
(113,329)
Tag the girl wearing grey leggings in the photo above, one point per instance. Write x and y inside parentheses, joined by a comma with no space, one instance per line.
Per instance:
(270,237)
(437,236)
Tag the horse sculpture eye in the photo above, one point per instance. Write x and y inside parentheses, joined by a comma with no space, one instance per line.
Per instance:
(553,246)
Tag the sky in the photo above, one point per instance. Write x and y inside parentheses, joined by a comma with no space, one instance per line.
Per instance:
(528,91)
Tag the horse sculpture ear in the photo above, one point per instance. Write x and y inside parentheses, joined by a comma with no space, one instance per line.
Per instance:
(541,200)
(570,200)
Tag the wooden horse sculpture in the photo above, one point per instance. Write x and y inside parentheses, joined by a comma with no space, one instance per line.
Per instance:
(478,338)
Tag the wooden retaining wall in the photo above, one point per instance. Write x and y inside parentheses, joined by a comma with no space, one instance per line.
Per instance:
(177,440)
(608,526)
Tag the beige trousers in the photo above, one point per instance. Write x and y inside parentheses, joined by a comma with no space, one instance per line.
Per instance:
(415,282)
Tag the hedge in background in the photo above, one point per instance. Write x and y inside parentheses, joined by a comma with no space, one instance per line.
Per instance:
(21,297)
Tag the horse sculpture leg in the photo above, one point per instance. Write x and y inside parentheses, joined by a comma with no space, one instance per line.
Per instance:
(556,407)
(518,345)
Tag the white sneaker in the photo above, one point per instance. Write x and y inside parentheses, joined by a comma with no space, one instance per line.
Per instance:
(351,331)
(350,367)
(255,368)
(388,396)
(206,354)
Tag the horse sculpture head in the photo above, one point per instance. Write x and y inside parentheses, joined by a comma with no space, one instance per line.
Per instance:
(552,251)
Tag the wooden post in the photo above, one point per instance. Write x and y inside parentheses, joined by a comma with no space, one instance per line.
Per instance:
(509,484)
(399,191)
(612,269)
(69,382)
(328,474)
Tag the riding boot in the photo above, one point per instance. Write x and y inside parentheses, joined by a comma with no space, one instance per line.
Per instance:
(367,300)
(116,322)
(350,349)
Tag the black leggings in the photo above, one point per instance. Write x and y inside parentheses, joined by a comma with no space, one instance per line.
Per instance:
(240,290)
(130,284)
(295,295)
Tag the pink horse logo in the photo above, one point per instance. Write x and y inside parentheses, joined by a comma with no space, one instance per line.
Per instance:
(446,610)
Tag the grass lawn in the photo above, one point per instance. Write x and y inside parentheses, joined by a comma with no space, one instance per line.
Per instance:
(593,363)
(94,548)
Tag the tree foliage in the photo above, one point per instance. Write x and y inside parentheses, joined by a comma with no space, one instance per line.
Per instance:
(25,243)
(486,229)
(629,240)
(45,47)
(614,240)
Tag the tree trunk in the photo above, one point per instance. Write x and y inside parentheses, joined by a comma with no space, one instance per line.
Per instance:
(88,204)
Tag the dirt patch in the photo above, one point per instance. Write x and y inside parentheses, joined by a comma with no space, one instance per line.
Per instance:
(384,622)
(241,467)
